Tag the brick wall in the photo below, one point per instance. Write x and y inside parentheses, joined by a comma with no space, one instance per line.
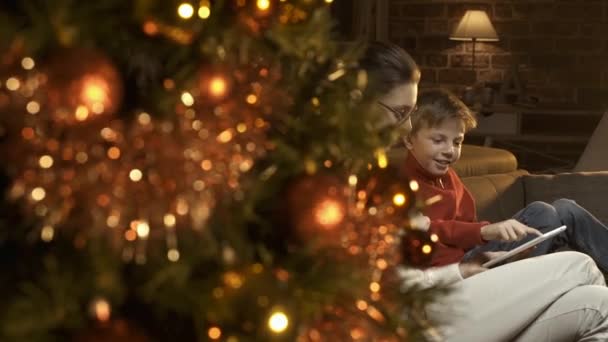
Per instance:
(559,46)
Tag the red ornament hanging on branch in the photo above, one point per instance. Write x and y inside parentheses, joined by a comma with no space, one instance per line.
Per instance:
(81,85)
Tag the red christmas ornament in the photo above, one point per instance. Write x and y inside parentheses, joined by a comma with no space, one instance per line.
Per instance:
(81,85)
(317,209)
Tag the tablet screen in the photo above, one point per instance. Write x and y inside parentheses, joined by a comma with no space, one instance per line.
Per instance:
(525,246)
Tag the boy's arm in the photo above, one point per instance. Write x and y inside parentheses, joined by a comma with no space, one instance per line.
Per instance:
(462,234)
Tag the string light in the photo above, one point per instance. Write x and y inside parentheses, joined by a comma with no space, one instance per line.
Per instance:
(278,322)
(13,84)
(28,63)
(185,11)
(32,107)
(218,86)
(399,199)
(329,213)
(263,4)
(214,333)
(204,11)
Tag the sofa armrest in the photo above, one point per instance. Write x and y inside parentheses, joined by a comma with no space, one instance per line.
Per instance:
(588,189)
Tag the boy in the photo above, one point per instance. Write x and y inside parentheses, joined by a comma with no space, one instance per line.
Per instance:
(438,129)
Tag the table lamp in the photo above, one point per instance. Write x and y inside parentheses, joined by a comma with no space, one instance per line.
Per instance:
(475,26)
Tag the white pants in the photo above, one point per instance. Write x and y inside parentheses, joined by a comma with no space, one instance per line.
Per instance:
(555,297)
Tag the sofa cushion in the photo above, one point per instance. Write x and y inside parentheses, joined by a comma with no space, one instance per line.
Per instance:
(499,196)
(481,160)
(474,161)
(589,189)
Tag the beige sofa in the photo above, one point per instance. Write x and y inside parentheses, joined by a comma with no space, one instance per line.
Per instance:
(501,189)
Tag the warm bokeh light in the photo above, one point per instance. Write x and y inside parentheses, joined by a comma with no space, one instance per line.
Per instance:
(352,180)
(263,4)
(113,153)
(251,99)
(32,107)
(233,280)
(185,11)
(426,249)
(102,310)
(414,185)
(28,63)
(95,92)
(374,287)
(173,255)
(187,99)
(47,233)
(45,161)
(399,199)
(329,213)
(150,28)
(218,86)
(204,11)
(13,84)
(434,237)
(38,194)
(381,158)
(135,175)
(225,136)
(278,322)
(143,229)
(169,220)
(214,333)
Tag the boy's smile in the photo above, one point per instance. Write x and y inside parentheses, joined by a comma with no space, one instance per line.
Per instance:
(436,148)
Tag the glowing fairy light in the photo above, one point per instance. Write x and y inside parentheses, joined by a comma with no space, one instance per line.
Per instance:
(95,93)
(352,180)
(169,220)
(329,213)
(426,249)
(278,322)
(381,158)
(218,86)
(185,11)
(38,194)
(187,99)
(204,11)
(399,199)
(143,229)
(434,237)
(101,310)
(13,84)
(45,161)
(263,4)
(32,107)
(414,185)
(47,233)
(173,255)
(135,175)
(214,333)
(28,63)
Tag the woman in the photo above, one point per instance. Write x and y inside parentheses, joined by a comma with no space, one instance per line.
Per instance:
(556,297)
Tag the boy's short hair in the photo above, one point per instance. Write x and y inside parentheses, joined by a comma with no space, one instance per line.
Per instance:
(436,105)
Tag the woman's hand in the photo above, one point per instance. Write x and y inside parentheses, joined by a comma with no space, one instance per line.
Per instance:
(509,230)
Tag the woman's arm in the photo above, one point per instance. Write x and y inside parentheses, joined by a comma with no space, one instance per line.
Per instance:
(431,277)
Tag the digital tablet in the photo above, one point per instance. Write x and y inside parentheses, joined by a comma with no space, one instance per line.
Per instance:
(525,246)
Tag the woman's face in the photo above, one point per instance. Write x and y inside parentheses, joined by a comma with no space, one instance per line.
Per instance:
(398,104)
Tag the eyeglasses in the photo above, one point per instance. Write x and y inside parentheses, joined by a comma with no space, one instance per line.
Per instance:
(402,114)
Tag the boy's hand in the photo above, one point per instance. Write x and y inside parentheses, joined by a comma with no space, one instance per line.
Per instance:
(509,230)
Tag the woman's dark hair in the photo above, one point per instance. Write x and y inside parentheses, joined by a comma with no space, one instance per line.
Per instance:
(388,66)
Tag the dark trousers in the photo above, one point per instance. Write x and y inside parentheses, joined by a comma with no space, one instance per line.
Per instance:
(585,232)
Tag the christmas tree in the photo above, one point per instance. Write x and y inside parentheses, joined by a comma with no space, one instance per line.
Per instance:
(202,170)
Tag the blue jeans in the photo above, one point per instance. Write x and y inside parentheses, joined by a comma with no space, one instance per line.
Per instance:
(585,233)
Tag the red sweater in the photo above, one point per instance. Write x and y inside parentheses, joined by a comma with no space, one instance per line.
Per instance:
(453,219)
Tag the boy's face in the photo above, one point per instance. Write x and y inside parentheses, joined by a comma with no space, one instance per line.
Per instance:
(398,105)
(436,148)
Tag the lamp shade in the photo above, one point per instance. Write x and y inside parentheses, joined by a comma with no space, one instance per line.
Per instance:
(475,25)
